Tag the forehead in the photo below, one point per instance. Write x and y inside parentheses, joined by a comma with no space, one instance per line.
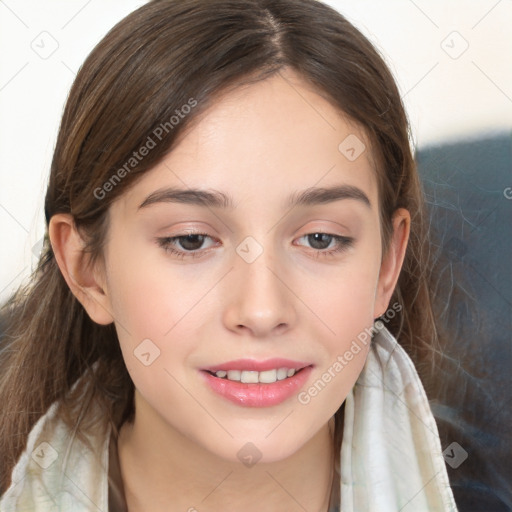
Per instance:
(265,140)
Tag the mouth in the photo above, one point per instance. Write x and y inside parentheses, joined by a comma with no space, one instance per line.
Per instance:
(254,377)
(257,384)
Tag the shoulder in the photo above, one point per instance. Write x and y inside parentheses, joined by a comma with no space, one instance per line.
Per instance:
(61,468)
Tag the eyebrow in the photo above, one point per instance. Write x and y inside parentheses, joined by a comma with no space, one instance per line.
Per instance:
(216,199)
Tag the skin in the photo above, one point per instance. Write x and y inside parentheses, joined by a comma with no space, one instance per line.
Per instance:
(257,145)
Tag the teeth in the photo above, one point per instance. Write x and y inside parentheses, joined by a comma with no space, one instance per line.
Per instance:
(234,374)
(268,376)
(253,377)
(249,377)
(282,373)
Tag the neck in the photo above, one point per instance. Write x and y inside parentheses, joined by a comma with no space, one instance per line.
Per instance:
(164,470)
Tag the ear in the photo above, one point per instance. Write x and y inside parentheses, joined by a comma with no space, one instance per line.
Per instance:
(85,282)
(392,261)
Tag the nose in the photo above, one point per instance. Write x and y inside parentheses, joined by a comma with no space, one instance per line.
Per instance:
(260,301)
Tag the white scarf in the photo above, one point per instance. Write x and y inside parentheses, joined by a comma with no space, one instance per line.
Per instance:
(391,458)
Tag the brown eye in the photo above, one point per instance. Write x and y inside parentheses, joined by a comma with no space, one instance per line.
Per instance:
(182,246)
(191,242)
(322,243)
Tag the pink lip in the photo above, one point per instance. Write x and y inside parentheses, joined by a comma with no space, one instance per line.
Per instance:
(258,395)
(257,366)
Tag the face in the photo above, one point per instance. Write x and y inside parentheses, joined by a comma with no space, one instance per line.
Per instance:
(217,298)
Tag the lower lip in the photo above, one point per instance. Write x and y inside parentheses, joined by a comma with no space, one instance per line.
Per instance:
(258,395)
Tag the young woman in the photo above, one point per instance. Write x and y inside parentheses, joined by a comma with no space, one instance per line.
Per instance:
(235,244)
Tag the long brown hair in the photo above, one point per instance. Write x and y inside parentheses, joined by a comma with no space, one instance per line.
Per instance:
(147,68)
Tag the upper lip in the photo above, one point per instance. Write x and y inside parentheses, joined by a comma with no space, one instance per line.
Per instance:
(257,366)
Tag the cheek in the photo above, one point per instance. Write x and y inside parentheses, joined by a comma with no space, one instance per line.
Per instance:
(150,322)
(146,296)
(137,300)
(344,297)
(345,304)
(156,301)
(348,312)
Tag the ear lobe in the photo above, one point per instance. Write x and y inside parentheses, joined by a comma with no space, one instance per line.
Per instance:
(392,261)
(82,278)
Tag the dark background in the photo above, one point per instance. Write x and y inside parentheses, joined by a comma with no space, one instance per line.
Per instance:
(471,220)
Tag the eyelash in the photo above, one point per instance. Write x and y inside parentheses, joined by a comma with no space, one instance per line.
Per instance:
(343,243)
